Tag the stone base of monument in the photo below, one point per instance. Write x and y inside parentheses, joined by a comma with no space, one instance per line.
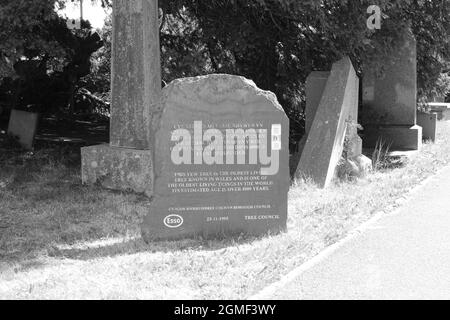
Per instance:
(428,122)
(118,168)
(396,137)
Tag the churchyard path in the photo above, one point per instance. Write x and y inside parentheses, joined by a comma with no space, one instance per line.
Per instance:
(403,255)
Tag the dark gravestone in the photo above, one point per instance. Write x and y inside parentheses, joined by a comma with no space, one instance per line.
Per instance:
(390,97)
(315,86)
(221,161)
(428,122)
(23,126)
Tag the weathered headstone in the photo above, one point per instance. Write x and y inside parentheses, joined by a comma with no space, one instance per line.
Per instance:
(221,160)
(23,125)
(336,113)
(428,122)
(390,97)
(126,164)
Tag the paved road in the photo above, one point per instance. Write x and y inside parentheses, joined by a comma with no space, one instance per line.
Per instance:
(401,256)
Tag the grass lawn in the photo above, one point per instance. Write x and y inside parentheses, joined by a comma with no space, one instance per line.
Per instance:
(62,240)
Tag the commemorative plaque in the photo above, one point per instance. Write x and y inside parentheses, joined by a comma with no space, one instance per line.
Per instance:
(221,160)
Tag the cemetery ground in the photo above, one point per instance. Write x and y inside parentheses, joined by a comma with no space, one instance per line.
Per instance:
(62,240)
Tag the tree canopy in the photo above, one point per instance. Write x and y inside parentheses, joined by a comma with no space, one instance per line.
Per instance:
(41,60)
(276,43)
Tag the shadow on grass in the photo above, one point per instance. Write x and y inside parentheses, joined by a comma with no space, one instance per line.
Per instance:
(14,267)
(137,246)
(21,262)
(45,211)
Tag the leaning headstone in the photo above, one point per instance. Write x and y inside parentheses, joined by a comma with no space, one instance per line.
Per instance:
(23,126)
(126,164)
(221,161)
(315,87)
(390,97)
(335,115)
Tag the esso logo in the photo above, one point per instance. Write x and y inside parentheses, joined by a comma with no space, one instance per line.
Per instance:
(173,221)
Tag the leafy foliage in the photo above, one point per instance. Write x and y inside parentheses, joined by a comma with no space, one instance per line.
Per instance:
(27,29)
(276,43)
(98,80)
(41,60)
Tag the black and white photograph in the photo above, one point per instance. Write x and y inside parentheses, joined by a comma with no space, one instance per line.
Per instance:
(224,156)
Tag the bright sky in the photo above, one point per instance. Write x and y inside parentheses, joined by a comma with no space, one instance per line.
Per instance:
(92,12)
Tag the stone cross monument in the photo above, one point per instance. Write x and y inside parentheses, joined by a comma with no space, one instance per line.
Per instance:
(126,163)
